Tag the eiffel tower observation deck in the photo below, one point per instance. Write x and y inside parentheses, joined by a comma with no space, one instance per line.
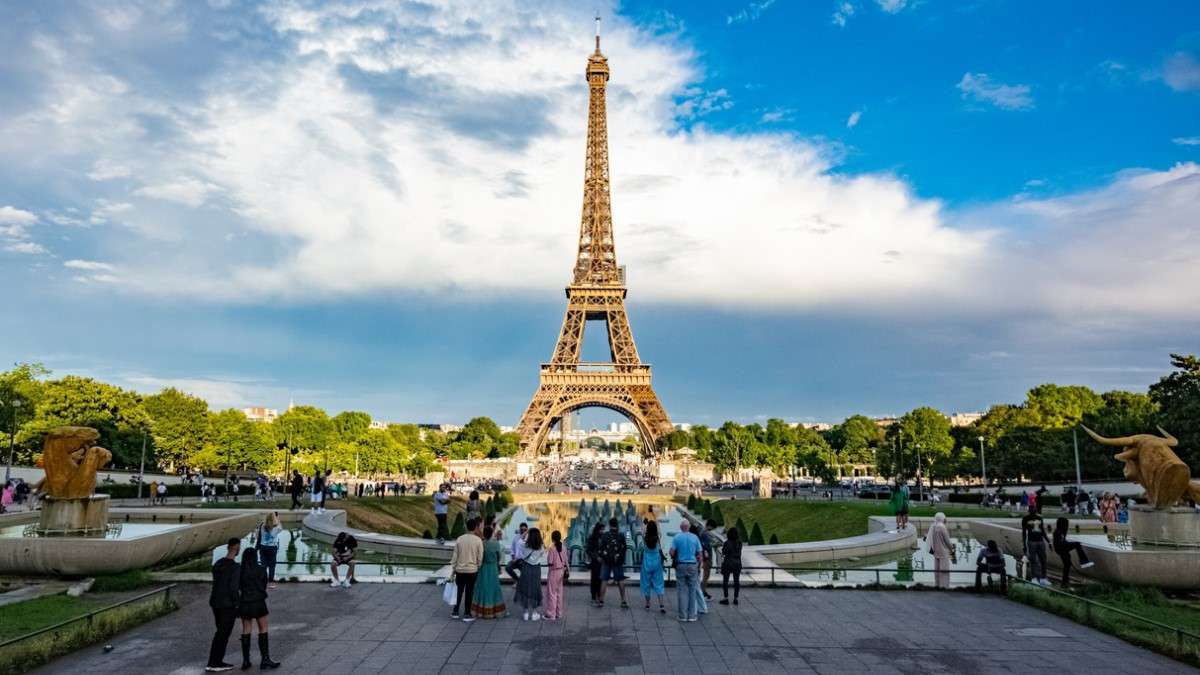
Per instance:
(597,292)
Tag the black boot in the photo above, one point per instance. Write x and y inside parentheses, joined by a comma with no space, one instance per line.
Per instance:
(245,651)
(264,648)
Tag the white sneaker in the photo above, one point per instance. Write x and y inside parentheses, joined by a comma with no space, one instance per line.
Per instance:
(335,583)
(346,583)
(536,617)
(1086,565)
(526,617)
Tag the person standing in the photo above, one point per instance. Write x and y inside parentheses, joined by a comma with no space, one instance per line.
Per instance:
(223,599)
(612,561)
(316,487)
(325,488)
(529,584)
(441,506)
(1033,532)
(516,553)
(942,549)
(268,545)
(162,493)
(685,551)
(464,563)
(252,608)
(474,507)
(651,573)
(899,504)
(487,602)
(1063,547)
(297,489)
(594,564)
(706,548)
(731,565)
(558,560)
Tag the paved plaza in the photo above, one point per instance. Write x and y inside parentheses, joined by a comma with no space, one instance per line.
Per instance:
(405,628)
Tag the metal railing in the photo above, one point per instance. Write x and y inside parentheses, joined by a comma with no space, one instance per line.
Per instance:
(91,616)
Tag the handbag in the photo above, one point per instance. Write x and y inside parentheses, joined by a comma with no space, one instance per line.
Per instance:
(450,593)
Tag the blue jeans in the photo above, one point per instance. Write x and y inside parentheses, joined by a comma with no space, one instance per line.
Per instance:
(268,555)
(686,588)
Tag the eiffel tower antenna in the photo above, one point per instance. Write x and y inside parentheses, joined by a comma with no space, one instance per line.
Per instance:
(597,292)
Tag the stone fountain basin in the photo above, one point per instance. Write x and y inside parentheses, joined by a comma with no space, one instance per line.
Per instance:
(1162,567)
(198,531)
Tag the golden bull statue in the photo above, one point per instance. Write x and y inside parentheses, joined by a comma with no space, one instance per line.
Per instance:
(1150,462)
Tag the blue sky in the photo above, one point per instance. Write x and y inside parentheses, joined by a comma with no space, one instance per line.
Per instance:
(825,207)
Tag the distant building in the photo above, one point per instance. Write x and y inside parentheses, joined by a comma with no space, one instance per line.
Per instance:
(817,426)
(380,424)
(965,419)
(683,426)
(266,415)
(885,422)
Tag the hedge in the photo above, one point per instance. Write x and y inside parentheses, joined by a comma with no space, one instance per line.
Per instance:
(130,491)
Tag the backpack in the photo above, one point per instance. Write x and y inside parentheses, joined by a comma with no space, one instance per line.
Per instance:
(612,548)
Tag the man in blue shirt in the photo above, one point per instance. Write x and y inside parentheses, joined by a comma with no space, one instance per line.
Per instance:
(685,551)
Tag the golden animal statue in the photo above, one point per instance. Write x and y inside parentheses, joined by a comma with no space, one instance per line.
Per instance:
(72,458)
(1150,462)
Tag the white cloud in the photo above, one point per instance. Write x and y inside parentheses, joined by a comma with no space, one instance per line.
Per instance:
(89,265)
(28,247)
(852,121)
(1181,72)
(219,392)
(892,6)
(980,87)
(750,12)
(776,115)
(1186,140)
(842,13)
(106,169)
(363,161)
(11,215)
(186,191)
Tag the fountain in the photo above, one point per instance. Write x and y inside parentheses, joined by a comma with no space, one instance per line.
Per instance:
(72,458)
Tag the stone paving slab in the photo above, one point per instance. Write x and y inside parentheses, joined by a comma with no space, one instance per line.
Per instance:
(401,628)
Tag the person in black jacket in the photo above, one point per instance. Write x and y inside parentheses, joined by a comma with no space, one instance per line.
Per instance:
(593,554)
(224,603)
(731,565)
(297,488)
(252,608)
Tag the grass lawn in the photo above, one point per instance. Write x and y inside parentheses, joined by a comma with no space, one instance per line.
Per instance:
(403,516)
(798,521)
(24,617)
(1149,603)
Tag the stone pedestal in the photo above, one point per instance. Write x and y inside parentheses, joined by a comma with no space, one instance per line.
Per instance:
(1178,526)
(84,516)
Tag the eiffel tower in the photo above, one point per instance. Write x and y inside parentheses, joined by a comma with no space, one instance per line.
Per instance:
(596,293)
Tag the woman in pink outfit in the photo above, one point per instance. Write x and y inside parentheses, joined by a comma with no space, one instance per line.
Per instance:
(558,560)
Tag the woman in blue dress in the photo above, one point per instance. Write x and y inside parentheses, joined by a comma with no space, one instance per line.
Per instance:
(652,566)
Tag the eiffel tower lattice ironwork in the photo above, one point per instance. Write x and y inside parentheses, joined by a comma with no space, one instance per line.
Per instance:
(596,293)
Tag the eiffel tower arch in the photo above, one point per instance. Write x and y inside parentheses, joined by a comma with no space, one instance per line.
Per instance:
(596,293)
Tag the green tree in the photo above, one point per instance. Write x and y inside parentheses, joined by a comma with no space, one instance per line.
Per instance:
(1124,414)
(459,528)
(1178,398)
(1058,407)
(741,528)
(181,426)
(756,535)
(855,438)
(351,425)
(235,440)
(310,431)
(925,431)
(80,401)
(702,442)
(509,445)
(21,391)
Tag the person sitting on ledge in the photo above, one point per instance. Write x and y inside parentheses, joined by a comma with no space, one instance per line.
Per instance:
(1063,548)
(343,554)
(990,561)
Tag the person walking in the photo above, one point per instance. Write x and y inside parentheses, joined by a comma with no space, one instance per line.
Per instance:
(223,599)
(1033,534)
(612,561)
(594,563)
(464,564)
(441,506)
(1063,547)
(899,504)
(529,584)
(652,572)
(685,552)
(252,609)
(558,561)
(942,549)
(268,545)
(731,565)
(487,602)
(297,490)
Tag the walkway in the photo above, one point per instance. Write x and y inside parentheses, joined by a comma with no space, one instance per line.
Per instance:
(403,628)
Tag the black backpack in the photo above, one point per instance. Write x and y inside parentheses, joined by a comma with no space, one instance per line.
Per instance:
(612,548)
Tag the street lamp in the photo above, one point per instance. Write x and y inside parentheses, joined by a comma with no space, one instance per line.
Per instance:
(12,439)
(920,492)
(983,461)
(142,468)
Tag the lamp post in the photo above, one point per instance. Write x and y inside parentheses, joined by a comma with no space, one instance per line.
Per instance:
(142,467)
(983,462)
(920,493)
(12,439)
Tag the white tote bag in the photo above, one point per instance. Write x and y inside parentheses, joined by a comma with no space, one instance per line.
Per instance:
(450,593)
